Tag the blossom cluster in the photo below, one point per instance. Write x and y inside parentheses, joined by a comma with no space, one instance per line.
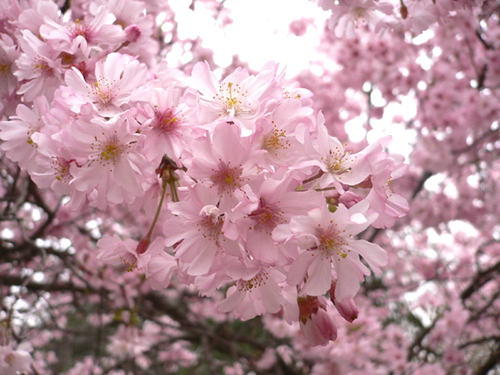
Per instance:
(397,16)
(242,184)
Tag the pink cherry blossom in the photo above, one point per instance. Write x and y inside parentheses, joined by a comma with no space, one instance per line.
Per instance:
(338,166)
(159,265)
(327,240)
(115,166)
(117,252)
(315,322)
(8,55)
(276,133)
(18,132)
(349,13)
(39,67)
(118,82)
(13,362)
(225,159)
(240,97)
(347,307)
(196,232)
(165,127)
(256,291)
(276,202)
(95,32)
(385,170)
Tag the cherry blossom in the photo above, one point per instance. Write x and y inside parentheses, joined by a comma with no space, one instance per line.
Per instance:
(200,230)
(84,35)
(8,55)
(18,132)
(165,210)
(347,14)
(327,240)
(165,126)
(240,97)
(39,67)
(13,362)
(338,166)
(118,82)
(115,166)
(256,291)
(225,159)
(315,322)
(275,203)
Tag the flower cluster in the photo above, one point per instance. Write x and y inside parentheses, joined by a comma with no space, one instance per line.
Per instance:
(396,16)
(251,191)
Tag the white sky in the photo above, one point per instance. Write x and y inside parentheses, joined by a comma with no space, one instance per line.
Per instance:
(255,35)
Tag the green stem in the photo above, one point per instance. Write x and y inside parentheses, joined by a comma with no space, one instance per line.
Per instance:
(158,210)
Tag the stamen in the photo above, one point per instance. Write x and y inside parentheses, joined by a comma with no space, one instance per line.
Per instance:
(230,96)
(166,121)
(43,69)
(103,92)
(331,243)
(257,281)
(267,216)
(275,140)
(109,150)
(226,178)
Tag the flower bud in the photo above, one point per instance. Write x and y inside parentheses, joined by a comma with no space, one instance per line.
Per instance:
(143,244)
(404,11)
(349,199)
(133,33)
(347,307)
(315,322)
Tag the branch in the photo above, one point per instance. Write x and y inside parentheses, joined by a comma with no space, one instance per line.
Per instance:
(11,280)
(491,362)
(425,176)
(479,280)
(417,342)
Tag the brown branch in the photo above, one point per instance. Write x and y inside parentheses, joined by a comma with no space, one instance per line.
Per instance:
(491,362)
(425,176)
(417,342)
(479,280)
(11,280)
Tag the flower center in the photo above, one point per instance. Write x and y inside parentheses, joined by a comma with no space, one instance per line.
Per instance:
(230,95)
(43,69)
(211,224)
(226,178)
(61,167)
(257,281)
(332,243)
(103,92)
(274,141)
(266,217)
(4,69)
(166,121)
(109,150)
(335,164)
(80,29)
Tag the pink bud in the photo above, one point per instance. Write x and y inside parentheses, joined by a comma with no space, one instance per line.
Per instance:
(298,27)
(320,329)
(308,305)
(133,33)
(349,199)
(315,322)
(143,244)
(347,307)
